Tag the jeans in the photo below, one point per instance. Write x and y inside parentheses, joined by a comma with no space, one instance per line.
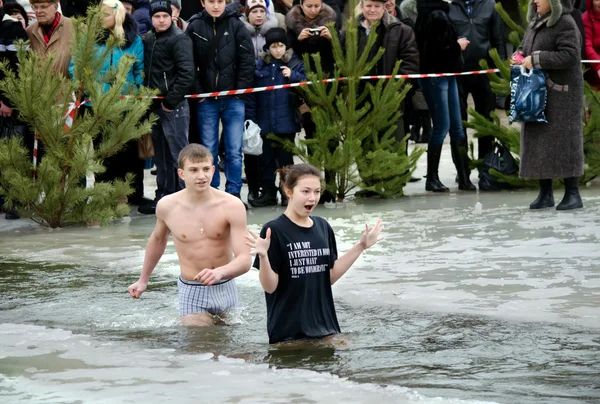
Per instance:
(441,94)
(169,135)
(231,112)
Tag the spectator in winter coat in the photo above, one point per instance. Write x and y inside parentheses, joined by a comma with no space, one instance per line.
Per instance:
(258,22)
(51,34)
(591,24)
(440,51)
(119,24)
(555,149)
(478,22)
(274,111)
(176,15)
(11,32)
(169,67)
(308,34)
(224,60)
(140,11)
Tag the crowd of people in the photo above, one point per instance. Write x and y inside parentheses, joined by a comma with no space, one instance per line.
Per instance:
(259,42)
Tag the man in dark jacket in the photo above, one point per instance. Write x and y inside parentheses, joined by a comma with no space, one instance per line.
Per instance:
(224,57)
(478,21)
(168,67)
(140,11)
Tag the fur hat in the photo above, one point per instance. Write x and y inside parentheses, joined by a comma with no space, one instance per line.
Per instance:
(160,6)
(557,8)
(43,1)
(252,4)
(275,35)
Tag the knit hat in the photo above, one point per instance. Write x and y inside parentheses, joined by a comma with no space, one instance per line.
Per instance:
(252,4)
(426,6)
(275,35)
(12,7)
(160,6)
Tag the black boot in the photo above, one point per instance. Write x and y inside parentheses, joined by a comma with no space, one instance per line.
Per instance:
(572,199)
(433,163)
(546,197)
(268,198)
(284,198)
(426,124)
(461,161)
(253,195)
(148,209)
(240,198)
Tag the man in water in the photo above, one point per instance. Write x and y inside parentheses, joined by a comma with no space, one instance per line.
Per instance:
(208,228)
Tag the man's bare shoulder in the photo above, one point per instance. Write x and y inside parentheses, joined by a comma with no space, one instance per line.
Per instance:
(228,201)
(167,204)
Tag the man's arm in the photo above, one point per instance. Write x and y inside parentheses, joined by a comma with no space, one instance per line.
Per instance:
(245,65)
(237,233)
(154,250)
(497,37)
(185,67)
(408,52)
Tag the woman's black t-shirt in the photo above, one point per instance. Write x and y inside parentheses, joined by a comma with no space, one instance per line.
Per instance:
(302,305)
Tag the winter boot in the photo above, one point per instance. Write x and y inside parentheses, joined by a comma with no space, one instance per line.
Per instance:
(433,163)
(253,194)
(546,197)
(572,199)
(268,198)
(461,161)
(284,198)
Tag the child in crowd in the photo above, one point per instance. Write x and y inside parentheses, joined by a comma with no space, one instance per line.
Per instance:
(274,111)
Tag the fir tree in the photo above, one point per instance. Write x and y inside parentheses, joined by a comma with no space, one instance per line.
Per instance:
(58,196)
(509,134)
(349,114)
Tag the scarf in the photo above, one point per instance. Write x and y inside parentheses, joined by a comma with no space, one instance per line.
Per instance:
(48,32)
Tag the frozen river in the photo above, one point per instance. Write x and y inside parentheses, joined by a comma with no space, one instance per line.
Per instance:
(453,306)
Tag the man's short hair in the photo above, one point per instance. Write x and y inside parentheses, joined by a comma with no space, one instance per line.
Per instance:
(194,153)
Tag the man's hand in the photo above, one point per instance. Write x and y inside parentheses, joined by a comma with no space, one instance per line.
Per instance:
(371,236)
(463,42)
(286,71)
(136,289)
(257,244)
(209,276)
(5,111)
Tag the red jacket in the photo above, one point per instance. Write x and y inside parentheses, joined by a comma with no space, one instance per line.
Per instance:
(591,24)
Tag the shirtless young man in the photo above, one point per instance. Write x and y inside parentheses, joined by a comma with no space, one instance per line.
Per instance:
(208,228)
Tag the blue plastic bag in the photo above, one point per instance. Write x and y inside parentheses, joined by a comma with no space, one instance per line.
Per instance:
(527,95)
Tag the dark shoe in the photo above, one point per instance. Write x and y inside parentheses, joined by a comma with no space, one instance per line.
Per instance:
(240,198)
(546,197)
(461,161)
(268,198)
(222,165)
(433,163)
(12,214)
(149,209)
(572,199)
(253,194)
(244,180)
(138,200)
(153,172)
(414,133)
(284,199)
(414,179)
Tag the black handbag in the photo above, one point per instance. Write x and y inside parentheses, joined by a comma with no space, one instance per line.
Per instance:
(501,160)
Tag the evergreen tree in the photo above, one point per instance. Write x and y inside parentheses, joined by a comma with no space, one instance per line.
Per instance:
(351,113)
(58,195)
(509,134)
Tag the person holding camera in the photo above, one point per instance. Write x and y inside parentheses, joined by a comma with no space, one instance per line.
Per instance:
(308,34)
